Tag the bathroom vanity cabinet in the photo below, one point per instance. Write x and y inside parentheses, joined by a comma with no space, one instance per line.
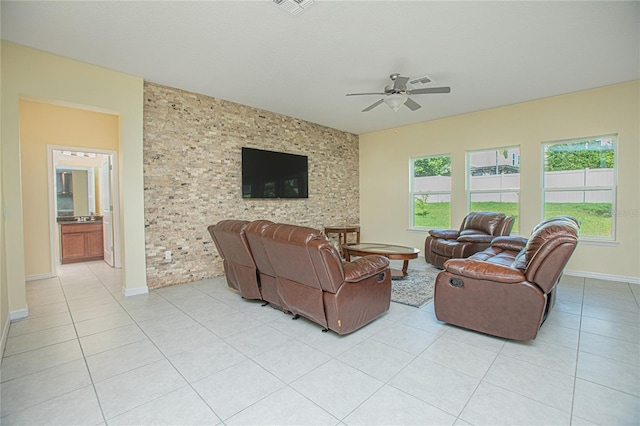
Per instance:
(81,242)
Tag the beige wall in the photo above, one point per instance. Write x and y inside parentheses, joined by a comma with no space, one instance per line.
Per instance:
(192,172)
(4,299)
(32,74)
(41,125)
(384,167)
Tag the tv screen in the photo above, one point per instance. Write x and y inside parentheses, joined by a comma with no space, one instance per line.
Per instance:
(270,174)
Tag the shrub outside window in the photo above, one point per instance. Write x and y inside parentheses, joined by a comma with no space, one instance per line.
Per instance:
(579,180)
(493,181)
(431,192)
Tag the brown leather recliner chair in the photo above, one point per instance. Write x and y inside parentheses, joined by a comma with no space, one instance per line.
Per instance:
(475,234)
(315,283)
(507,290)
(239,267)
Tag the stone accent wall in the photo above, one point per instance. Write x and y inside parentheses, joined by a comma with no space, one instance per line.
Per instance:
(192,177)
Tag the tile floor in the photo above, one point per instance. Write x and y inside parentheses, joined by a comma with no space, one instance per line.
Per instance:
(199,354)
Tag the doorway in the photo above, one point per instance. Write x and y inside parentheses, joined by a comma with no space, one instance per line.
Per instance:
(83,188)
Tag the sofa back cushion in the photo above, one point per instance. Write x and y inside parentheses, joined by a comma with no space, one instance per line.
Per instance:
(254,232)
(286,246)
(489,223)
(548,251)
(231,241)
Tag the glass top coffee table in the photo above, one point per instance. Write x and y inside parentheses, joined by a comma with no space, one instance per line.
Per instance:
(389,251)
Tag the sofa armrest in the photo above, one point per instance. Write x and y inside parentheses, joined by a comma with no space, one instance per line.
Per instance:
(447,234)
(480,270)
(365,267)
(475,238)
(509,243)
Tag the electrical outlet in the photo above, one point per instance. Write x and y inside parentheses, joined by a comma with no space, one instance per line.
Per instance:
(167,255)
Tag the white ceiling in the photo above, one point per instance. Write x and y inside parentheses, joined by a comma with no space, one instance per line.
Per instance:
(254,53)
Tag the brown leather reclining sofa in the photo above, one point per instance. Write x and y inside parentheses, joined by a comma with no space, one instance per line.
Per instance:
(475,234)
(298,270)
(507,290)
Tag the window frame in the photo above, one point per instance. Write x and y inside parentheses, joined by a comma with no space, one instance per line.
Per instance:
(413,193)
(469,192)
(612,188)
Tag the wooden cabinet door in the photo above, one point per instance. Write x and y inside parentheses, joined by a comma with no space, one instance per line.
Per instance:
(94,244)
(73,246)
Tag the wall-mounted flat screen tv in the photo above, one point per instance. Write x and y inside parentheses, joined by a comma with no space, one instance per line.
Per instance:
(270,174)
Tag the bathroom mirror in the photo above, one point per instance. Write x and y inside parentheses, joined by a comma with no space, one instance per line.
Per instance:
(75,191)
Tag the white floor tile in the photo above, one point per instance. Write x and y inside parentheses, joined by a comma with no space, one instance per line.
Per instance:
(376,359)
(493,405)
(320,387)
(107,322)
(180,407)
(30,362)
(182,340)
(202,361)
(256,340)
(232,390)
(390,406)
(292,361)
(619,350)
(605,406)
(134,388)
(27,391)
(110,339)
(283,407)
(538,383)
(460,357)
(629,333)
(406,338)
(442,387)
(31,325)
(607,372)
(125,358)
(39,339)
(79,407)
(546,355)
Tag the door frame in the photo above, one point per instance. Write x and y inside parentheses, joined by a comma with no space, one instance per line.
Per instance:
(51,173)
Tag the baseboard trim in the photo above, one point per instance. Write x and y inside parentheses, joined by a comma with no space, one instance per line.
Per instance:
(5,335)
(20,313)
(599,276)
(135,291)
(37,277)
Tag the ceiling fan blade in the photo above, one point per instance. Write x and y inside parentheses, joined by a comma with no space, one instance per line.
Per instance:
(358,94)
(429,90)
(400,82)
(372,106)
(412,105)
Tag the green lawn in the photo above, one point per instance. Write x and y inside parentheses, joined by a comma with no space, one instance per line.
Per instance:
(595,218)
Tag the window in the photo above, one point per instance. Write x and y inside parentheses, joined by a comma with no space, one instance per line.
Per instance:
(493,181)
(431,192)
(579,181)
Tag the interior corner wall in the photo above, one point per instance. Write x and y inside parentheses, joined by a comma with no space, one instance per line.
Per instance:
(385,158)
(32,74)
(192,177)
(41,125)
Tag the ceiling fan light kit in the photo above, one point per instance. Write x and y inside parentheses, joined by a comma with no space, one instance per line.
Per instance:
(395,101)
(397,93)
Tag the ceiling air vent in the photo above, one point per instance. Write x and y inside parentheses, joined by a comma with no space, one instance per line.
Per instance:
(294,7)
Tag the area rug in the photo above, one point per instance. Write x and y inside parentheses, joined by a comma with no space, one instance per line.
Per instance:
(416,289)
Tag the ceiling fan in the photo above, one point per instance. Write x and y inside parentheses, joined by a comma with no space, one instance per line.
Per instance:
(397,93)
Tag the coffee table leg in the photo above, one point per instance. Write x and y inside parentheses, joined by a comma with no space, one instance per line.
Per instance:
(405,265)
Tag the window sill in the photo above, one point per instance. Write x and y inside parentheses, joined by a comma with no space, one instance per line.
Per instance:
(604,243)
